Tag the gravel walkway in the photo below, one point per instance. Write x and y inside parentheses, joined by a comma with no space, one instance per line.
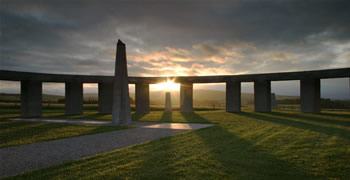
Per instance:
(20,159)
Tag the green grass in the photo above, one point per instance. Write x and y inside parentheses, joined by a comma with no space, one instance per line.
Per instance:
(14,133)
(246,145)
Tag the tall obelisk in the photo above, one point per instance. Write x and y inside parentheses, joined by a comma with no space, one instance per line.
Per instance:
(168,107)
(121,102)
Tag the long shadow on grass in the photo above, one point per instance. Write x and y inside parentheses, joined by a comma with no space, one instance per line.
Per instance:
(159,158)
(166,117)
(241,159)
(137,116)
(316,119)
(322,129)
(341,115)
(33,129)
(94,116)
(11,124)
(193,117)
(228,156)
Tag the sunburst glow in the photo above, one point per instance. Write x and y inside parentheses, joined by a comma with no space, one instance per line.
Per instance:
(169,85)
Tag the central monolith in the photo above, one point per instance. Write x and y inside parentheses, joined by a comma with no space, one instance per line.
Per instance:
(168,107)
(121,102)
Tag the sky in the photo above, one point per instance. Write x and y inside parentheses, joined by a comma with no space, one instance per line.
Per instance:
(163,38)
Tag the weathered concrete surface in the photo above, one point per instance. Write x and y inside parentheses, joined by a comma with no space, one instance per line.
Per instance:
(262,96)
(31,98)
(142,98)
(310,95)
(20,159)
(121,102)
(74,98)
(273,101)
(168,106)
(186,97)
(105,97)
(281,76)
(233,96)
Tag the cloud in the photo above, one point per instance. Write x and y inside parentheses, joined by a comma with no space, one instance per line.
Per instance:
(171,54)
(174,37)
(279,56)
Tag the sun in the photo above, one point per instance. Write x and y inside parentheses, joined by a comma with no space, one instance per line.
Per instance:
(169,85)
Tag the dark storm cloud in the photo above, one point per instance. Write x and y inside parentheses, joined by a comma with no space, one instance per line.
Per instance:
(197,37)
(70,36)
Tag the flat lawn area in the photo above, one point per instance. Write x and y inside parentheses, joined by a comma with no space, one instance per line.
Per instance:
(246,145)
(14,133)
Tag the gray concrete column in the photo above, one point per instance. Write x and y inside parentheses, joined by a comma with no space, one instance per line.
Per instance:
(121,103)
(186,97)
(142,98)
(233,96)
(310,96)
(74,98)
(273,101)
(105,97)
(168,107)
(262,96)
(31,98)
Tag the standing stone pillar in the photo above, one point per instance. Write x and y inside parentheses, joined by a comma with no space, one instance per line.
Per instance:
(310,95)
(262,96)
(233,96)
(186,97)
(142,98)
(168,107)
(121,102)
(31,98)
(273,101)
(105,97)
(74,98)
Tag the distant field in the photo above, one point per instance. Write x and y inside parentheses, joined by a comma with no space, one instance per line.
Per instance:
(157,98)
(16,97)
(202,99)
(246,145)
(94,107)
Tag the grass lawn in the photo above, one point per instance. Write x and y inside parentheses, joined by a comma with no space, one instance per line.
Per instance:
(14,133)
(246,145)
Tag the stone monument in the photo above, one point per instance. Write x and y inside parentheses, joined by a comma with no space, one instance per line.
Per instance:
(121,102)
(168,107)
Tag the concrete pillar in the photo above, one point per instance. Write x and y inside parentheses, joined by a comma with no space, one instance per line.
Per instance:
(186,97)
(273,101)
(142,98)
(262,96)
(121,103)
(74,98)
(168,107)
(105,97)
(31,98)
(233,96)
(310,96)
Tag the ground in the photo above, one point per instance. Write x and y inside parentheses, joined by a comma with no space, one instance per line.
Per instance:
(246,145)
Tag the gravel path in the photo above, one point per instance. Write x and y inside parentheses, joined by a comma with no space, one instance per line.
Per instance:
(20,159)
